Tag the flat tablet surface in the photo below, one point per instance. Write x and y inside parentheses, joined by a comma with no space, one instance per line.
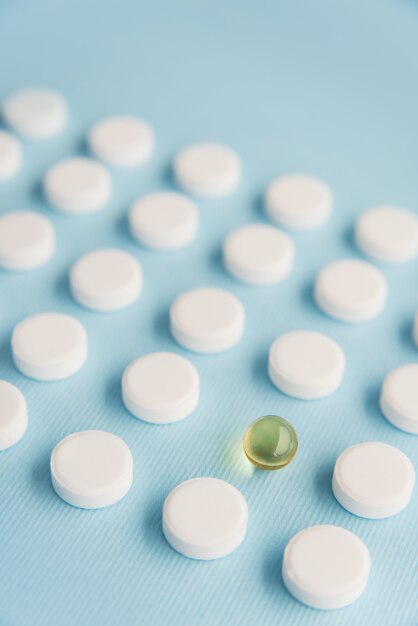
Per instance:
(306,365)
(27,240)
(388,234)
(49,346)
(207,320)
(164,220)
(205,518)
(122,141)
(326,567)
(351,291)
(36,113)
(77,186)
(373,480)
(208,169)
(91,469)
(284,85)
(107,279)
(161,387)
(258,254)
(298,201)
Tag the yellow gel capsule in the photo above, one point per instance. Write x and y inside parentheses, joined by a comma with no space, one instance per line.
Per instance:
(270,442)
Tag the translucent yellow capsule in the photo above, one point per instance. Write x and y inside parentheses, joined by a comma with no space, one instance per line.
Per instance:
(270,442)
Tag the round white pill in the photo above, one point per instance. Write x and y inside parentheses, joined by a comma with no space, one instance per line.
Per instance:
(27,240)
(77,185)
(164,220)
(208,169)
(205,518)
(207,320)
(160,388)
(13,415)
(399,398)
(388,234)
(10,156)
(36,113)
(306,365)
(373,480)
(351,291)
(91,469)
(326,567)
(106,280)
(49,346)
(258,254)
(122,141)
(299,201)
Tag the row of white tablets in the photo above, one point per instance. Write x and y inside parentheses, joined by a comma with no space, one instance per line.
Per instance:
(387,234)
(163,387)
(82,185)
(255,254)
(325,567)
(348,290)
(39,113)
(206,518)
(302,364)
(373,480)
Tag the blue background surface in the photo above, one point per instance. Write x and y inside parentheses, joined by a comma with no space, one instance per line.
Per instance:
(321,87)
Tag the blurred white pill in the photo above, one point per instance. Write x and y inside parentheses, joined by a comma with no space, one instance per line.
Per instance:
(91,469)
(388,234)
(77,185)
(49,346)
(299,201)
(351,290)
(36,113)
(13,415)
(27,240)
(122,141)
(207,320)
(164,220)
(10,156)
(258,254)
(208,169)
(107,279)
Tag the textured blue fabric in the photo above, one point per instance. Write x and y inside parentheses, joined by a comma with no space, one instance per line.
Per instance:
(328,88)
